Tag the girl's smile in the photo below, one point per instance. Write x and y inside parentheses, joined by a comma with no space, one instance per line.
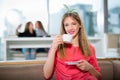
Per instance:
(71,32)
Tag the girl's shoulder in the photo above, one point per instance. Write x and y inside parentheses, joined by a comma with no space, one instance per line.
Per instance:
(91,47)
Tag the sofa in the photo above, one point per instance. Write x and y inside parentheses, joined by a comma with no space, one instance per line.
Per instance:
(32,70)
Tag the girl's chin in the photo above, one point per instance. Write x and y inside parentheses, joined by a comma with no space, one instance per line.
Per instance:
(74,35)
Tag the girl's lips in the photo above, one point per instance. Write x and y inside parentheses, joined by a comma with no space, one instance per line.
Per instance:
(71,32)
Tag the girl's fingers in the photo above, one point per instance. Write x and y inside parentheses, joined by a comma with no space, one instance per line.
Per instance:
(57,41)
(82,65)
(79,65)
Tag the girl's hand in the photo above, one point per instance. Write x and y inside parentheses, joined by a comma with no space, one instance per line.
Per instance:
(19,26)
(84,65)
(57,41)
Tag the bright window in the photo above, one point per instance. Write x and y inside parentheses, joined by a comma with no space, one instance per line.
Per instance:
(91,12)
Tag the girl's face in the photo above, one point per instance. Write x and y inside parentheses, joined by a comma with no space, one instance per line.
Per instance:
(36,25)
(31,26)
(71,26)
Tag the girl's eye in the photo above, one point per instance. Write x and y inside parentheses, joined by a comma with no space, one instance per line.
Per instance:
(66,25)
(74,23)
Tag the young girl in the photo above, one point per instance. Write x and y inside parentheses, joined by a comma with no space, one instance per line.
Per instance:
(80,51)
(40,31)
(29,31)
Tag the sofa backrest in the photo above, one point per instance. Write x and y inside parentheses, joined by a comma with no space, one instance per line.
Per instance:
(21,72)
(106,70)
(116,69)
(110,71)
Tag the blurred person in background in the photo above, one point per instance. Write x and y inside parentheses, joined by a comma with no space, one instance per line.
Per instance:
(29,53)
(40,32)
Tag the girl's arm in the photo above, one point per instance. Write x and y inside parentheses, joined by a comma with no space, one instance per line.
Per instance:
(50,63)
(17,33)
(91,66)
(86,66)
(95,73)
(19,26)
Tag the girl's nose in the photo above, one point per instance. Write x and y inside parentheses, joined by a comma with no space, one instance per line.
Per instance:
(70,27)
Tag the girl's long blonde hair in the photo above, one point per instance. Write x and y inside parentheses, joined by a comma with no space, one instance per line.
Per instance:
(82,39)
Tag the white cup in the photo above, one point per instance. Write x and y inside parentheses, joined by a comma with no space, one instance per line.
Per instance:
(67,38)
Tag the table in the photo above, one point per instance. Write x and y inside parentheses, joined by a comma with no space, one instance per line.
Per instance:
(32,42)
